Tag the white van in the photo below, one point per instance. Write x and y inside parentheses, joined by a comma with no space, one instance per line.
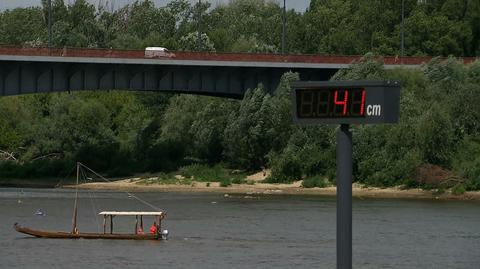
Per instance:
(158,52)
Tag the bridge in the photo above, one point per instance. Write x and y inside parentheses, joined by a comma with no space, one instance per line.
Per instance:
(41,70)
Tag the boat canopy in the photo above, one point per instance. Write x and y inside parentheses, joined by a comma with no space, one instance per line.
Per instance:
(132,213)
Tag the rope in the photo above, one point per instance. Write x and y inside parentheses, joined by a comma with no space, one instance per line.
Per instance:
(61,180)
(94,210)
(130,194)
(92,200)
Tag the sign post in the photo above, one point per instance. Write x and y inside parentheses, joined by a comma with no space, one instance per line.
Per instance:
(344,197)
(345,103)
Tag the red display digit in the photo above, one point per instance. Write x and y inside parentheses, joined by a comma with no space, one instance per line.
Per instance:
(358,103)
(362,105)
(342,102)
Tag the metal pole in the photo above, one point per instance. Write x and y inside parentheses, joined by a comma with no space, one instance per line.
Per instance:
(403,30)
(283,26)
(199,37)
(344,197)
(49,23)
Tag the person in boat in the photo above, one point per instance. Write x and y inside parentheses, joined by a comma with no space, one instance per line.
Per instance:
(153,228)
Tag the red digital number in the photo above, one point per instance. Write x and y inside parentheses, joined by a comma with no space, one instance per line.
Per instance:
(362,106)
(357,107)
(343,103)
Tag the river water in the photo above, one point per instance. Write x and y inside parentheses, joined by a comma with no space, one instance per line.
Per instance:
(213,231)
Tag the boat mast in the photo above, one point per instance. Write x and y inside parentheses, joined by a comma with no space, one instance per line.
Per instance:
(74,218)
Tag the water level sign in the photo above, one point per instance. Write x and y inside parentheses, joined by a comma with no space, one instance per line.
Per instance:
(347,102)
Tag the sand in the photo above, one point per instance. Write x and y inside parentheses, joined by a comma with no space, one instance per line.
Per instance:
(258,188)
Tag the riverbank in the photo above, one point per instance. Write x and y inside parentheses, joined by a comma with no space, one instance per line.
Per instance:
(249,190)
(41,183)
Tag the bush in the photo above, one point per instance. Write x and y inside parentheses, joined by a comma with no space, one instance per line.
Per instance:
(435,136)
(315,181)
(385,156)
(202,172)
(473,176)
(459,189)
(225,182)
(43,168)
(467,163)
(239,181)
(216,173)
(285,168)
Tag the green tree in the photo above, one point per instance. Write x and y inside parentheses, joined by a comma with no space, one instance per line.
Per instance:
(328,28)
(190,43)
(208,127)
(435,136)
(247,140)
(21,25)
(428,34)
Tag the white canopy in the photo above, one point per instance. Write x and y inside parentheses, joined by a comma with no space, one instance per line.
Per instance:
(132,213)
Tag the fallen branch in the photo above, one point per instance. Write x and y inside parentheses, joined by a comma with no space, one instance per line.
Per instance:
(9,155)
(456,179)
(48,155)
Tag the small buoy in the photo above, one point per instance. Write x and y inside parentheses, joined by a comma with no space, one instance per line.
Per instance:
(19,201)
(39,212)
(226,195)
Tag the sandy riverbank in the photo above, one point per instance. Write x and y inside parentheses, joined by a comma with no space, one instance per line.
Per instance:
(277,189)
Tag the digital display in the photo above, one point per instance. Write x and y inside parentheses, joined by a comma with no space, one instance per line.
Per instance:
(331,103)
(345,102)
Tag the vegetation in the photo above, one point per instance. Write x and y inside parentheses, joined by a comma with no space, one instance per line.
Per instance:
(216,173)
(225,182)
(315,181)
(442,27)
(164,179)
(204,138)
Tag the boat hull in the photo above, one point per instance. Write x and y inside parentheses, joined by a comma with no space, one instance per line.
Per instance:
(65,235)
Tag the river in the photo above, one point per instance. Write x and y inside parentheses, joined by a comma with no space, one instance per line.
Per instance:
(213,231)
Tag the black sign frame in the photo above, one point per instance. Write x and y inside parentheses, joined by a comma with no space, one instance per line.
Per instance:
(382,101)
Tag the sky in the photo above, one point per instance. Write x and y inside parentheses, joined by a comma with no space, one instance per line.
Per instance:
(299,5)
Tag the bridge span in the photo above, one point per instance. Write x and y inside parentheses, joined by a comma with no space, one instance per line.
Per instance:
(40,70)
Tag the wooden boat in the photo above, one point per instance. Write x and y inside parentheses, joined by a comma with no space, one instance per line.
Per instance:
(75,234)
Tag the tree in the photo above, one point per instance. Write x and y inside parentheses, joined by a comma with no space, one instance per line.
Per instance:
(435,136)
(21,25)
(435,35)
(190,43)
(247,140)
(208,127)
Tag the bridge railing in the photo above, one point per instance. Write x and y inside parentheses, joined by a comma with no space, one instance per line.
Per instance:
(206,56)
